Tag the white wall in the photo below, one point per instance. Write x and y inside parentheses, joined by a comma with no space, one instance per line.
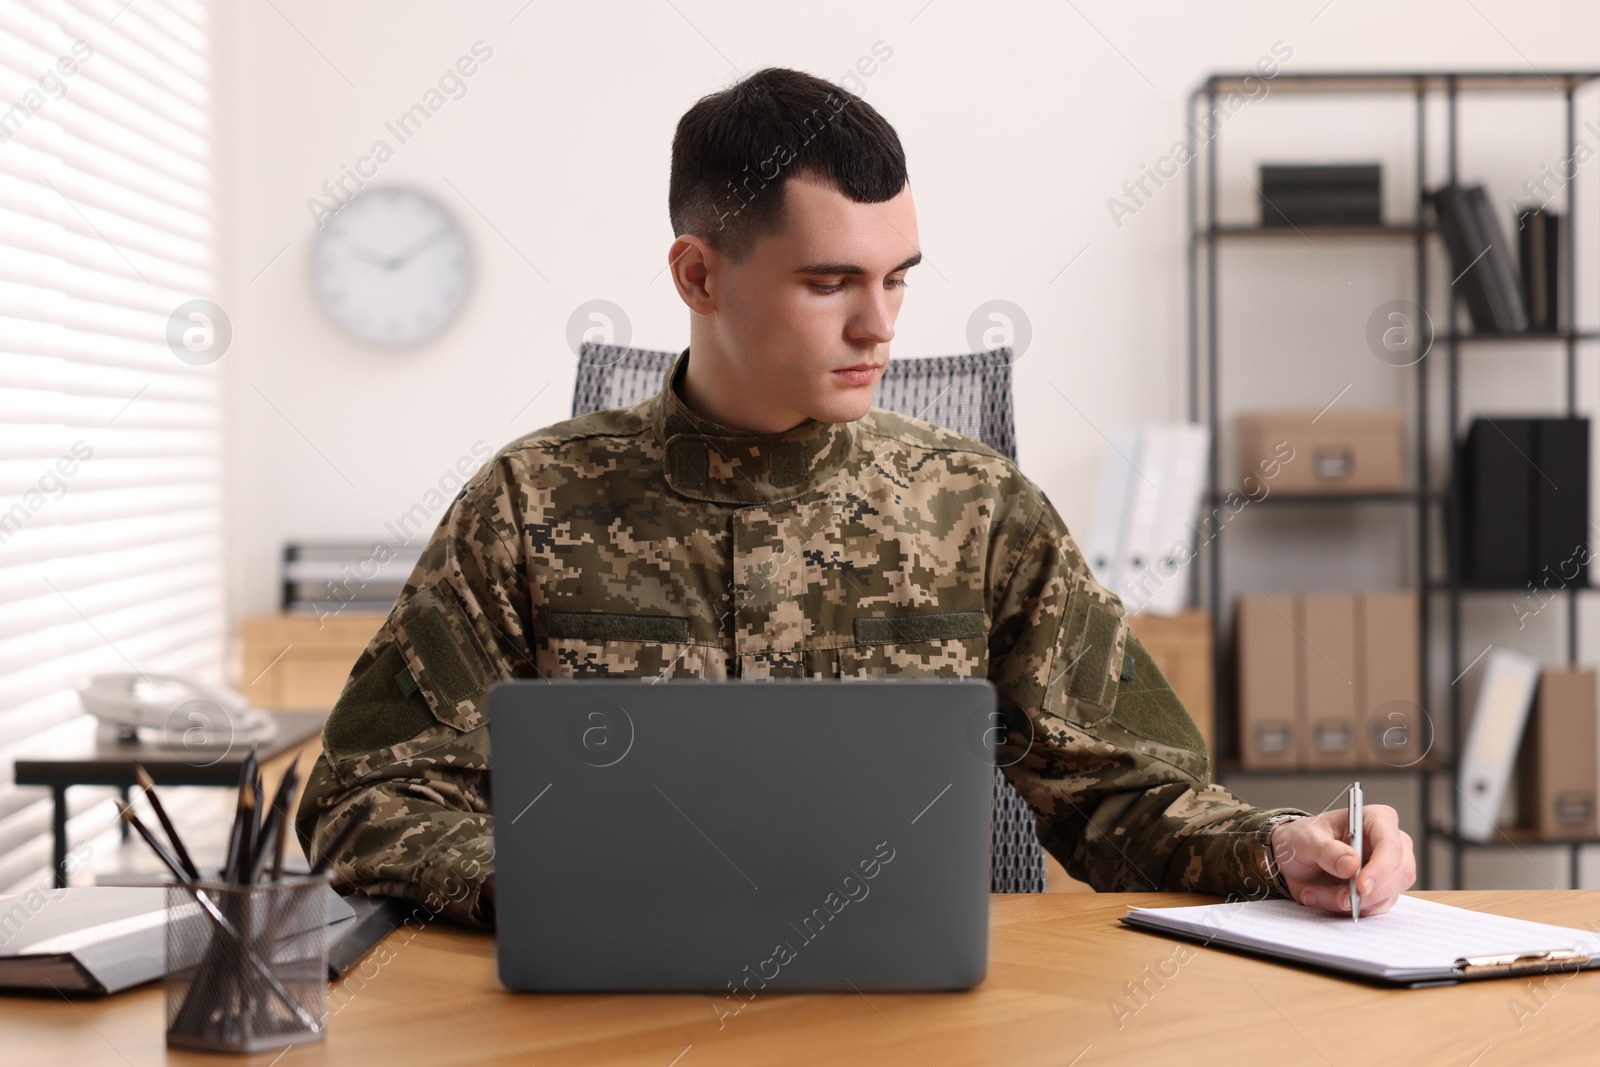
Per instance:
(1019,119)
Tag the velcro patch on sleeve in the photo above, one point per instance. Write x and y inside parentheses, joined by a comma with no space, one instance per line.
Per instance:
(1092,673)
(453,675)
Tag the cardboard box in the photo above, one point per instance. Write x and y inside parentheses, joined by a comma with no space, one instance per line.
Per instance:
(1181,647)
(1351,451)
(1558,765)
(1395,731)
(1328,679)
(1269,727)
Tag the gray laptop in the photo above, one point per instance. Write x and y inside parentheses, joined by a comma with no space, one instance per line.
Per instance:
(742,837)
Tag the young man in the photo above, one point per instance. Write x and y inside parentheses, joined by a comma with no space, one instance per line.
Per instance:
(757,518)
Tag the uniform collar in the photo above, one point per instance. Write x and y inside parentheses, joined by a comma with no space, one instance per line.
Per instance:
(705,460)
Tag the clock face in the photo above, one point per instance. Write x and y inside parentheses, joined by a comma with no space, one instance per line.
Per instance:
(391,265)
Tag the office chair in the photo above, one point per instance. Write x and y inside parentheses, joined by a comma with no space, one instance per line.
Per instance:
(969,394)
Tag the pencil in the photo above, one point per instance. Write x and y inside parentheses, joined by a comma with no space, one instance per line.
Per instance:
(150,839)
(233,864)
(238,840)
(283,825)
(273,827)
(342,838)
(148,784)
(257,818)
(247,833)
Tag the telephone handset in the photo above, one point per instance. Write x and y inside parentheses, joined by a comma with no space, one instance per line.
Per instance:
(174,711)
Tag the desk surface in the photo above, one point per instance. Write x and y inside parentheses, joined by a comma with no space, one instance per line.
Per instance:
(1058,964)
(107,762)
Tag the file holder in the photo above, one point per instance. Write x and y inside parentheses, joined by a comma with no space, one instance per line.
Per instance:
(246,964)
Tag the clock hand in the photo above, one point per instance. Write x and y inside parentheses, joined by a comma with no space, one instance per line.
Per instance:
(360,252)
(417,246)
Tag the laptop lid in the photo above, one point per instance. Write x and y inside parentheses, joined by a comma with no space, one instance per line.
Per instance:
(741,837)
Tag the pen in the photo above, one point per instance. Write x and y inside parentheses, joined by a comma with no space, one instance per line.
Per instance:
(1355,841)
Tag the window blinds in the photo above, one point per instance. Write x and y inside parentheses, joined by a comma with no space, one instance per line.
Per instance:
(110,445)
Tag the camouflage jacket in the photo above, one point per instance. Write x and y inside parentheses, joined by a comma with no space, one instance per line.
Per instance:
(648,541)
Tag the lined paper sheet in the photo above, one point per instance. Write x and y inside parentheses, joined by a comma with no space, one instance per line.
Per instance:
(1414,939)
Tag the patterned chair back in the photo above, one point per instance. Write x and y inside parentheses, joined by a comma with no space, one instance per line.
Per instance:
(969,394)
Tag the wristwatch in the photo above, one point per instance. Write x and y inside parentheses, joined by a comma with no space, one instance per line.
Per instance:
(1273,870)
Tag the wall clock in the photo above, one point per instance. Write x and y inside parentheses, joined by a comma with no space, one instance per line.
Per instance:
(391,266)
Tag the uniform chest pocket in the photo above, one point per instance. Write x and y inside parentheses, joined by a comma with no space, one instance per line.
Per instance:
(927,644)
(609,644)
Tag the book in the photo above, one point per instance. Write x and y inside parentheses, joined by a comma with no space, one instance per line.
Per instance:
(1505,290)
(1415,943)
(1543,267)
(1480,263)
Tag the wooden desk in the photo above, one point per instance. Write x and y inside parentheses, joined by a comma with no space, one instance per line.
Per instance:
(1058,962)
(111,762)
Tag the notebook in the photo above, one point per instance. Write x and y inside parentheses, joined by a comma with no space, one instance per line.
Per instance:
(98,939)
(1416,942)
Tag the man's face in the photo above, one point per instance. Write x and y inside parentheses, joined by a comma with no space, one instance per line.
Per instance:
(806,319)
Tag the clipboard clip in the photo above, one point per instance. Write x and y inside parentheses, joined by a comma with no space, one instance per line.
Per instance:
(1518,962)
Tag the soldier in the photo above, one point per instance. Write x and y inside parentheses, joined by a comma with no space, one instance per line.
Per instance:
(758,519)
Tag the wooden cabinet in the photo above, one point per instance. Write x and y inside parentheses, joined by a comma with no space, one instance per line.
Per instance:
(300,662)
(1181,647)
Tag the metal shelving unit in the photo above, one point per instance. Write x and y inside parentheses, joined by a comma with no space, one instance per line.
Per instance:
(1428,501)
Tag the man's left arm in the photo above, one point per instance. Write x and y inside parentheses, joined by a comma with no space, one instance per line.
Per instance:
(1101,747)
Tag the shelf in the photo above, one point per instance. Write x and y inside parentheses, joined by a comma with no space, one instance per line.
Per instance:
(1495,587)
(1426,766)
(1429,493)
(1284,498)
(1406,231)
(1250,83)
(1531,335)
(1512,837)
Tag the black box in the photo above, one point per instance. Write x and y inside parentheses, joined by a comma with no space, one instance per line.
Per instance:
(1321,194)
(1522,502)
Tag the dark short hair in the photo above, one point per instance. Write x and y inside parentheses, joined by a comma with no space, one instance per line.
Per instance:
(736,149)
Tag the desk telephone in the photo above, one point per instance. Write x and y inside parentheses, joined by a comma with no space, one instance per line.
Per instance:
(172,711)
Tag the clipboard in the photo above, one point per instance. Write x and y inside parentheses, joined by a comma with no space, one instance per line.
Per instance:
(1414,944)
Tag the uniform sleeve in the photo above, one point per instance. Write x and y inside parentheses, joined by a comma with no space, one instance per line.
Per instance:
(1098,743)
(409,731)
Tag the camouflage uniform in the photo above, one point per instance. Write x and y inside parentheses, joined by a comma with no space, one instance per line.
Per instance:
(648,541)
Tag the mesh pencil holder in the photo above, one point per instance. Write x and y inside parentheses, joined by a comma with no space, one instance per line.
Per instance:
(247,966)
